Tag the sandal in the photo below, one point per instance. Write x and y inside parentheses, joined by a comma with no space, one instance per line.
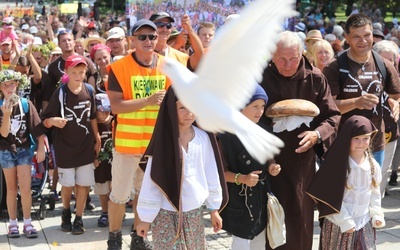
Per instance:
(13,231)
(29,231)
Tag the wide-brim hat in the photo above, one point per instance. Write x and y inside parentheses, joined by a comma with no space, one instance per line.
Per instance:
(87,40)
(314,35)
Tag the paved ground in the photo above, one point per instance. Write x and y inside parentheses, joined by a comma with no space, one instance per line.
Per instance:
(51,237)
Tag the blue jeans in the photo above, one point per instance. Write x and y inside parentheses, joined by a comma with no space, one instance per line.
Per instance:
(379,157)
(10,159)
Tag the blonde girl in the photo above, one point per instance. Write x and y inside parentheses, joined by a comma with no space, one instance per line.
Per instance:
(15,150)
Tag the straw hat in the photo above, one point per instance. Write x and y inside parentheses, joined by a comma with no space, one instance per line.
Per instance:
(87,40)
(314,35)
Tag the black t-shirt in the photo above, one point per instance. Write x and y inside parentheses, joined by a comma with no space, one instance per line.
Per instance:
(73,144)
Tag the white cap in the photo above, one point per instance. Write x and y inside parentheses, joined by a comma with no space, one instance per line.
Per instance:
(33,30)
(115,32)
(25,27)
(37,41)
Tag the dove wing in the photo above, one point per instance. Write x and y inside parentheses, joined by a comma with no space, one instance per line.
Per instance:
(241,50)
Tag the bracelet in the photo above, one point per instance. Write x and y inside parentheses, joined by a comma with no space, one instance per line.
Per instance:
(236,179)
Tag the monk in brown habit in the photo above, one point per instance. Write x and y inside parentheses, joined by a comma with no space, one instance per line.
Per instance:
(290,76)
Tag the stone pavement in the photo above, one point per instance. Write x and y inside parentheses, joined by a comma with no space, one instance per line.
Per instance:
(51,237)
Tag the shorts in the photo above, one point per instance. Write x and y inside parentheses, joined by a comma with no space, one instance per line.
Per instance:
(10,159)
(82,176)
(126,175)
(102,188)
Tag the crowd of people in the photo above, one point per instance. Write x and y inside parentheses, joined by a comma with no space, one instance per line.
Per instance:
(96,91)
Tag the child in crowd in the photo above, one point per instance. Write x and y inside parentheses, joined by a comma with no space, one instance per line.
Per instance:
(18,118)
(71,113)
(247,185)
(8,30)
(347,189)
(102,173)
(183,171)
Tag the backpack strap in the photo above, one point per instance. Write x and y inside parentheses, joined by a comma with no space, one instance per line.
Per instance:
(381,65)
(62,96)
(343,62)
(25,105)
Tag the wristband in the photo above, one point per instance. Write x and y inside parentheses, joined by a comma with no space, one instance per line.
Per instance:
(236,179)
(319,137)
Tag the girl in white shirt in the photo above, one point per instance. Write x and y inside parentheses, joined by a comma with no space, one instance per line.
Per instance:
(181,173)
(347,187)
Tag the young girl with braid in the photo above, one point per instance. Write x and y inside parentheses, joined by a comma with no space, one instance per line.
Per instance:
(347,191)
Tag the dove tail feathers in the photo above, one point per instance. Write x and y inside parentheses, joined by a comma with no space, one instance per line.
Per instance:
(260,144)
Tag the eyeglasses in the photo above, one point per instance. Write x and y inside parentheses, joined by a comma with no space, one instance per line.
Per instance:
(162,25)
(144,37)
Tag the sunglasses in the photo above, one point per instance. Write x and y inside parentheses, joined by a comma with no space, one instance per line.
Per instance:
(162,25)
(144,37)
(62,32)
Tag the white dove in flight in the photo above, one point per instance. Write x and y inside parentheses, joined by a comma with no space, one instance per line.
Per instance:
(228,73)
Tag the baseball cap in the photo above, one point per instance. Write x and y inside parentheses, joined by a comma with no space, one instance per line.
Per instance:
(115,32)
(25,27)
(33,30)
(91,25)
(103,102)
(6,40)
(160,15)
(37,41)
(74,60)
(141,23)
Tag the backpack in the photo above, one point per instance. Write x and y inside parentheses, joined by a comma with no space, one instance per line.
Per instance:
(343,62)
(25,110)
(63,94)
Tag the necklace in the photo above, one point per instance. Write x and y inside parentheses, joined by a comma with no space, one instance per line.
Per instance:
(350,55)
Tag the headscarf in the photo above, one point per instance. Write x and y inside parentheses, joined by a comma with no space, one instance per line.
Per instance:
(328,184)
(164,147)
(97,47)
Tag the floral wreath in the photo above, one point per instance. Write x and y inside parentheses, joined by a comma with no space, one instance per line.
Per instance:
(8,75)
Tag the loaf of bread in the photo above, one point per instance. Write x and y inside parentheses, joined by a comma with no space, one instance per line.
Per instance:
(291,107)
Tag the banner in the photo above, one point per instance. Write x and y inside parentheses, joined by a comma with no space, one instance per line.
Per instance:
(19,11)
(71,8)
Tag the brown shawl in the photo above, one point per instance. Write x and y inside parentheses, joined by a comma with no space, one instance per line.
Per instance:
(327,186)
(166,170)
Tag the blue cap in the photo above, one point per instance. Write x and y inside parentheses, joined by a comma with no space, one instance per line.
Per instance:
(141,23)
(259,94)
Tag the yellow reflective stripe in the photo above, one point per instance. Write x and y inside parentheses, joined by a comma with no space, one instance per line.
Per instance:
(135,129)
(140,115)
(131,143)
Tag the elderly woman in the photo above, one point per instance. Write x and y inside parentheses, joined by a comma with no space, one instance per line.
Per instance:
(322,53)
(389,50)
(100,55)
